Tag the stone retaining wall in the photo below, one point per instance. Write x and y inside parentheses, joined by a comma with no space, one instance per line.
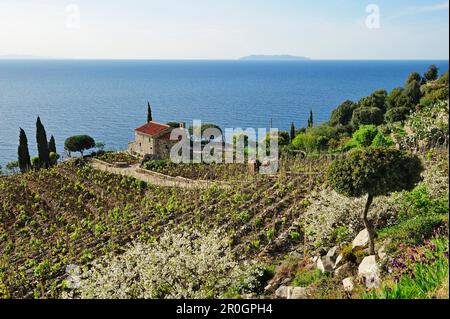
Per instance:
(155,178)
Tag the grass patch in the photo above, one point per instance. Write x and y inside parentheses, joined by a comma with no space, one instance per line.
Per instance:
(305,277)
(413,230)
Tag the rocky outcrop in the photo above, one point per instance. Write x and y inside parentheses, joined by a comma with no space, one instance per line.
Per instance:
(284,292)
(332,252)
(348,284)
(325,264)
(339,261)
(369,271)
(288,292)
(361,241)
(346,270)
(299,293)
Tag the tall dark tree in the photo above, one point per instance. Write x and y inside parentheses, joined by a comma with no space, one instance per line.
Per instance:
(432,73)
(376,99)
(343,113)
(23,153)
(412,91)
(311,119)
(52,151)
(149,113)
(414,76)
(52,145)
(42,144)
(292,131)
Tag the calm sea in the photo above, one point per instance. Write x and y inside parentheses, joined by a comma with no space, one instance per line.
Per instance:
(108,99)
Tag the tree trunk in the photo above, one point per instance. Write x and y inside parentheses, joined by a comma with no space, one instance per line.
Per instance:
(368,225)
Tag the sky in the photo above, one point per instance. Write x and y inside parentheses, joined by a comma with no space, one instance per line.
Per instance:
(225,29)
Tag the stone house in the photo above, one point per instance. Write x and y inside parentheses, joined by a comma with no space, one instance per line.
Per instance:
(152,140)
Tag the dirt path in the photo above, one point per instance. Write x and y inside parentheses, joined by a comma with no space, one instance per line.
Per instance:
(157,179)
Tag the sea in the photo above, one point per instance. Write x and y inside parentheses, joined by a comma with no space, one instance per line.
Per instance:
(107,99)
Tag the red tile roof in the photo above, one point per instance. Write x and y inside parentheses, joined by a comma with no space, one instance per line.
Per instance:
(153,129)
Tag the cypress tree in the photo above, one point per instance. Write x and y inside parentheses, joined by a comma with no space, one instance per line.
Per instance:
(24,154)
(310,119)
(149,113)
(52,145)
(292,131)
(42,144)
(52,149)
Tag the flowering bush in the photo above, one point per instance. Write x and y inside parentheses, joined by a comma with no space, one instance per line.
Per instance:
(428,127)
(178,265)
(330,211)
(417,271)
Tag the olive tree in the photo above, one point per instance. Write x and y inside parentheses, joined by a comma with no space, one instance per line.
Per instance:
(367,116)
(79,143)
(374,171)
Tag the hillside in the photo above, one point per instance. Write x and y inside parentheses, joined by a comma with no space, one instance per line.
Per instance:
(73,231)
(72,214)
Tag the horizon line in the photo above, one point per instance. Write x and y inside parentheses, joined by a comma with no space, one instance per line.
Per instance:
(214,59)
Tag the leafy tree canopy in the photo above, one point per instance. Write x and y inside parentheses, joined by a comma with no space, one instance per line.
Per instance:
(376,99)
(376,171)
(343,113)
(79,143)
(397,114)
(367,116)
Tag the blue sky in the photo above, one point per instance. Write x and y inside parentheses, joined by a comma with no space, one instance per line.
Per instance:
(224,29)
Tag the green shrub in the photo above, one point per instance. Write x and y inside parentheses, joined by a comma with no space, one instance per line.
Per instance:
(413,230)
(155,164)
(420,202)
(382,141)
(340,234)
(365,135)
(305,277)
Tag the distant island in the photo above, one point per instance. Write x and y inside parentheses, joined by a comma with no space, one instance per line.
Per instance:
(282,57)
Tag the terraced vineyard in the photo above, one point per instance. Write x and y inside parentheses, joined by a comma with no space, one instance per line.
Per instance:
(72,214)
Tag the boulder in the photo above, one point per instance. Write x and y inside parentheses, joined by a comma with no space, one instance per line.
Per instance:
(339,261)
(322,251)
(299,293)
(382,250)
(361,241)
(295,254)
(325,264)
(345,270)
(369,271)
(332,252)
(268,288)
(284,292)
(348,284)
